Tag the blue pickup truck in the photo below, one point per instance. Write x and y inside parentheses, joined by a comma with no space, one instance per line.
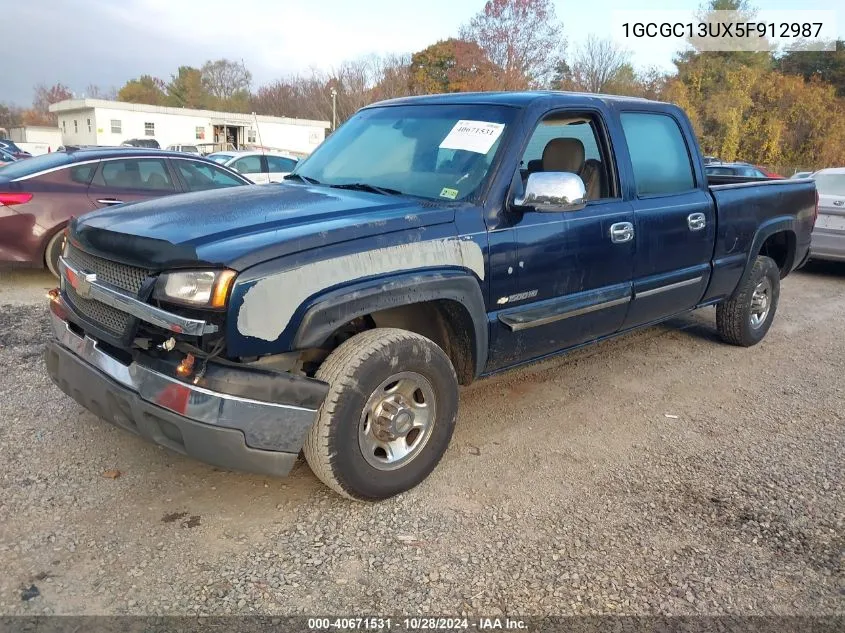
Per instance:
(428,242)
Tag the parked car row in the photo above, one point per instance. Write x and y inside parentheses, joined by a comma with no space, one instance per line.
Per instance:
(40,195)
(745,170)
(9,147)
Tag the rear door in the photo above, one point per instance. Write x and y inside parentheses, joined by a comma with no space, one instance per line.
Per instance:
(278,167)
(674,217)
(829,232)
(131,179)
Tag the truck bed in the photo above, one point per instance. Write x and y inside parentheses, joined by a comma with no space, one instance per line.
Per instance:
(748,210)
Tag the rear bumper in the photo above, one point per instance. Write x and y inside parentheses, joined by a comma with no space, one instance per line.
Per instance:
(228,431)
(827,245)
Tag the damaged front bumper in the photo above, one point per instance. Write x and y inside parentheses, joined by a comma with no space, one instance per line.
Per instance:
(230,431)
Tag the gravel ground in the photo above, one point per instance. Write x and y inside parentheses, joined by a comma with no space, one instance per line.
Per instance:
(662,472)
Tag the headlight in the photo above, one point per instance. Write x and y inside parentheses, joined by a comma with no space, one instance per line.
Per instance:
(197,288)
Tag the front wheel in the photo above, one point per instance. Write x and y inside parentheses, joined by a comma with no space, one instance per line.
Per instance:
(746,317)
(388,417)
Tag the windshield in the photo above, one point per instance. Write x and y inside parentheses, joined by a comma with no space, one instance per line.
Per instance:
(219,158)
(830,184)
(35,164)
(442,152)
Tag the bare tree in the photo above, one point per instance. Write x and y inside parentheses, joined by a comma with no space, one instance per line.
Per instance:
(597,64)
(225,78)
(94,91)
(522,37)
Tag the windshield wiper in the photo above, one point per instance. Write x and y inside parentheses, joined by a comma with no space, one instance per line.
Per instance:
(363,186)
(308,179)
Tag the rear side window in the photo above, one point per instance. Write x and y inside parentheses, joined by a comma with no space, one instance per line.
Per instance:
(248,165)
(83,173)
(658,153)
(135,173)
(279,164)
(201,176)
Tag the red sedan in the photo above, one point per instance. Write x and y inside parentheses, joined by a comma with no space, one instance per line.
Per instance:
(38,196)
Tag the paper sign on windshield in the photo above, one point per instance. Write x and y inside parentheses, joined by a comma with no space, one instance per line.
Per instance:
(473,136)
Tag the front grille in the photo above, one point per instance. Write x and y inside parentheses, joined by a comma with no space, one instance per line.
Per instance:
(129,278)
(104,316)
(126,278)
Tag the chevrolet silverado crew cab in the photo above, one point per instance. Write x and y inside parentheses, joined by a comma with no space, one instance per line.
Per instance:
(428,242)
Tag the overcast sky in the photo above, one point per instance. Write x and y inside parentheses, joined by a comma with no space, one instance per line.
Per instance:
(107,42)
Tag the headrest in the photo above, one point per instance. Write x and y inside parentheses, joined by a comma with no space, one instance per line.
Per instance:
(563,154)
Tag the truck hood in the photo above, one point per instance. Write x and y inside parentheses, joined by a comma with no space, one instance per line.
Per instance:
(243,226)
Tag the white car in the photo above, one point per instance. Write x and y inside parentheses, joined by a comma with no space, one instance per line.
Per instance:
(185,149)
(828,240)
(259,167)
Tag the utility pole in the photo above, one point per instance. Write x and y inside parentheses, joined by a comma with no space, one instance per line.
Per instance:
(334,108)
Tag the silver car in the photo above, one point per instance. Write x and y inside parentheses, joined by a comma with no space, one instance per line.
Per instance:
(829,232)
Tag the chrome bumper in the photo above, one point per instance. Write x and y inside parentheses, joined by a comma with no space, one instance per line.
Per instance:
(87,286)
(265,425)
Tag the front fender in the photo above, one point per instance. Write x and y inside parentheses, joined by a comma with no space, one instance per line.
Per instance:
(329,311)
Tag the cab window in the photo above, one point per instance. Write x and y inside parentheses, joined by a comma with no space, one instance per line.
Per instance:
(571,142)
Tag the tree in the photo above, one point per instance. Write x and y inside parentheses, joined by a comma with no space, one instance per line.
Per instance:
(741,12)
(10,116)
(187,90)
(522,37)
(392,76)
(225,78)
(94,91)
(43,97)
(145,89)
(827,66)
(597,65)
(452,65)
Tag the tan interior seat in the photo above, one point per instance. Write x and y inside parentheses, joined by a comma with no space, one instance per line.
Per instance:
(567,154)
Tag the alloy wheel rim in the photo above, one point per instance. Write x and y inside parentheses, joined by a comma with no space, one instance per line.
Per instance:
(761,301)
(397,421)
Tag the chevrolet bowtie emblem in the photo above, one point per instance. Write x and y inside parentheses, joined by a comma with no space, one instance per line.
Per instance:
(83,284)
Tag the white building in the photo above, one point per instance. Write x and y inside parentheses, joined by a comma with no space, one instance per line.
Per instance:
(36,139)
(98,122)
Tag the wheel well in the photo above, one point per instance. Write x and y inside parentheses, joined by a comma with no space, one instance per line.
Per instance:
(444,321)
(46,242)
(781,248)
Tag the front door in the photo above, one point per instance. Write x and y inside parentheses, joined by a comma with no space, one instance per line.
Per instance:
(573,270)
(674,218)
(130,180)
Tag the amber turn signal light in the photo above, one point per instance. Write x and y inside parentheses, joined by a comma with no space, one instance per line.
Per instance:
(221,288)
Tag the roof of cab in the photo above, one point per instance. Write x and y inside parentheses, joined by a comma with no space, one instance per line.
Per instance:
(513,99)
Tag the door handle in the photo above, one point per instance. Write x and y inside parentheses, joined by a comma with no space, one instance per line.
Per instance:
(696,221)
(109,201)
(621,232)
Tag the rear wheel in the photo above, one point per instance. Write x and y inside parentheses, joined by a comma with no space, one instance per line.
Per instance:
(746,317)
(53,252)
(388,417)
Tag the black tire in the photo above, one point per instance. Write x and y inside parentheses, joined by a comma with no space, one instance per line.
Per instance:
(53,251)
(355,371)
(734,316)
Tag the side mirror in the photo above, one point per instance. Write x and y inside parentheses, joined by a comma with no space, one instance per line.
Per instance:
(553,191)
